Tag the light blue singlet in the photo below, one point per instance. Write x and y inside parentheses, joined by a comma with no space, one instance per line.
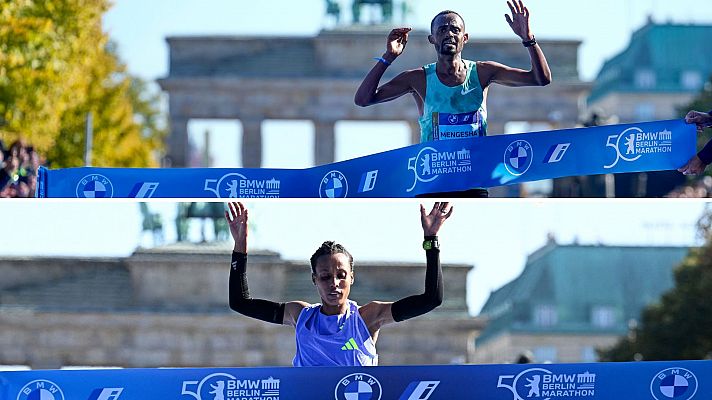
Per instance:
(453,112)
(324,340)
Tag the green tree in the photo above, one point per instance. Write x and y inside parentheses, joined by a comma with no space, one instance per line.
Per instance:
(57,65)
(679,326)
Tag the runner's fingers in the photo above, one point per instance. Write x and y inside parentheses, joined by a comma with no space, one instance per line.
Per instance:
(436,208)
(449,213)
(511,7)
(515,7)
(233,214)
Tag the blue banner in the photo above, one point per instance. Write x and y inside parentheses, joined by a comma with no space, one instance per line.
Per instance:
(438,166)
(678,380)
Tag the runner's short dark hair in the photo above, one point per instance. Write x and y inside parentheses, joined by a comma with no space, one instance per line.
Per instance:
(443,13)
(327,248)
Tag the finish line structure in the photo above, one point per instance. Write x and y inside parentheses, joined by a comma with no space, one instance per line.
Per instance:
(679,380)
(438,166)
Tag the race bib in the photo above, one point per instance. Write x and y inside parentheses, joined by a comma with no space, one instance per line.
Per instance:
(448,126)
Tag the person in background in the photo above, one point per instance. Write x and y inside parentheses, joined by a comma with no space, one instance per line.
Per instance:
(699,162)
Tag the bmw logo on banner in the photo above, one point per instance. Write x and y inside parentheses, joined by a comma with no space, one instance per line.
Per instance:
(95,186)
(358,386)
(333,185)
(41,389)
(675,384)
(518,157)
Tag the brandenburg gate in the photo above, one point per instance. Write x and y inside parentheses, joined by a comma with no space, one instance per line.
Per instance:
(256,78)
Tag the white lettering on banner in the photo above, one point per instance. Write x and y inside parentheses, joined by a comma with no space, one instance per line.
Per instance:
(633,143)
(234,185)
(543,383)
(429,164)
(458,135)
(222,386)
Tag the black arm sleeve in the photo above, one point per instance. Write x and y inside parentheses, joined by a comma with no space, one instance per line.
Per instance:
(413,306)
(705,154)
(240,299)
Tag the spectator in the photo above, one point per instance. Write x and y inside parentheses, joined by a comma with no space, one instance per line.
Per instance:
(699,162)
(18,170)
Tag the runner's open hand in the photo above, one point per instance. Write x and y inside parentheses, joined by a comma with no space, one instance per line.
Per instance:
(237,221)
(519,21)
(397,40)
(433,221)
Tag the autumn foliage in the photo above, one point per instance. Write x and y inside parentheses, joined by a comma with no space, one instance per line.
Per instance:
(56,66)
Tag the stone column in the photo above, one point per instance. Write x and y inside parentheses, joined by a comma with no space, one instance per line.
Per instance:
(324,142)
(178,142)
(251,143)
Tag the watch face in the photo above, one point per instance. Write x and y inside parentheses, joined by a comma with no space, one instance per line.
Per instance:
(431,244)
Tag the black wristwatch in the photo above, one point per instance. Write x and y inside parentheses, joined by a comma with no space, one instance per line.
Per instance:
(431,242)
(529,43)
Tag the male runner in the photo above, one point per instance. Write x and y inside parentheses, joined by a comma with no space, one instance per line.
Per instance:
(453,86)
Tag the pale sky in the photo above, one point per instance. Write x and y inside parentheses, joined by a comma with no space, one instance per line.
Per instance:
(493,235)
(604,26)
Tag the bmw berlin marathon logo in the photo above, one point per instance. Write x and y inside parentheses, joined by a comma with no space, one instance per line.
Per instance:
(224,386)
(430,164)
(234,185)
(633,143)
(674,384)
(542,384)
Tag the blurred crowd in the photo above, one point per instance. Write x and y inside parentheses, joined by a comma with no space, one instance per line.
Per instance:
(699,188)
(19,164)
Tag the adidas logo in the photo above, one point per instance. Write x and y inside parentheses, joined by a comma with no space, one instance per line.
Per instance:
(350,345)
